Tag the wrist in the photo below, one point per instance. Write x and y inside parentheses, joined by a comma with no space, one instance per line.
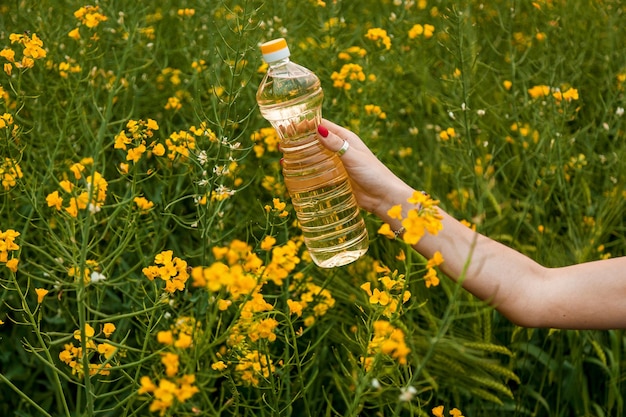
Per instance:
(397,206)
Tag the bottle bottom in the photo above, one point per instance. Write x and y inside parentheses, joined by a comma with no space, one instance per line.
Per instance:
(340,259)
(341,254)
(332,226)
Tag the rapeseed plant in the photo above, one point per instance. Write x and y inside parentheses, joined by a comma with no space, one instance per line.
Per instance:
(152,263)
(8,247)
(32,49)
(75,356)
(10,172)
(168,268)
(379,36)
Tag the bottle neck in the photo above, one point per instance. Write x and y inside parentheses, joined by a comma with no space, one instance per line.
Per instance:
(278,62)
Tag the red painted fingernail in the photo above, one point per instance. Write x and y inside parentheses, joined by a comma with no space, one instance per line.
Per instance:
(282,160)
(322,131)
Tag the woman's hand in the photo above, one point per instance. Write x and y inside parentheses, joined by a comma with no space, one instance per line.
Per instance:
(376,188)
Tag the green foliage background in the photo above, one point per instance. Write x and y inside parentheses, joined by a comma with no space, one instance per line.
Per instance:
(546,177)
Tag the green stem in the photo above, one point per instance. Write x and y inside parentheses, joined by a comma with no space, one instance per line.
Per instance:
(143,351)
(24,396)
(56,382)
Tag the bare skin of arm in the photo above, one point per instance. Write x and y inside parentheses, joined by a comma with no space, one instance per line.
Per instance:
(589,295)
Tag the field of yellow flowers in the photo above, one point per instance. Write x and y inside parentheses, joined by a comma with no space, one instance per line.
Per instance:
(150,262)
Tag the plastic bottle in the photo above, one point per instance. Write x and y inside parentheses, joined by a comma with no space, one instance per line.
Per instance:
(290,98)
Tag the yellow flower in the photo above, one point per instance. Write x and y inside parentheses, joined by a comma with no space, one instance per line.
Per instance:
(386,231)
(165,337)
(295,307)
(135,153)
(186,388)
(171,362)
(147,385)
(89,332)
(108,329)
(12,264)
(395,212)
(121,140)
(367,287)
(371,109)
(164,396)
(107,350)
(77,169)
(381,269)
(179,143)
(388,340)
(173,103)
(390,283)
(415,229)
(143,204)
(268,242)
(218,366)
(74,34)
(438,411)
(90,16)
(455,412)
(348,72)
(278,205)
(436,260)
(10,172)
(41,293)
(379,36)
(284,260)
(253,366)
(222,305)
(158,149)
(380,297)
(170,269)
(184,341)
(199,65)
(417,30)
(33,47)
(539,91)
(264,329)
(6,119)
(570,94)
(186,12)
(447,134)
(431,279)
(428,31)
(8,54)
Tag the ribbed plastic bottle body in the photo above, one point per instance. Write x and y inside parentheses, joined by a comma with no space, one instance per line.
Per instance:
(290,98)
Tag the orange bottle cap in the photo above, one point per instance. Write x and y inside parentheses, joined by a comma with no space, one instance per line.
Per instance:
(275,50)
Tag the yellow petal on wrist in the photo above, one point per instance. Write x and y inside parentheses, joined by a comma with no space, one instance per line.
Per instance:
(386,231)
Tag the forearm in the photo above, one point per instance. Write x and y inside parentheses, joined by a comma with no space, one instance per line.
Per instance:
(590,295)
(488,269)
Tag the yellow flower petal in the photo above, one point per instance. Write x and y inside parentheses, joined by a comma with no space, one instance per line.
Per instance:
(41,293)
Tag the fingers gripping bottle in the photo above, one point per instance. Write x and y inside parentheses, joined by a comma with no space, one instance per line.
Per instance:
(290,98)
